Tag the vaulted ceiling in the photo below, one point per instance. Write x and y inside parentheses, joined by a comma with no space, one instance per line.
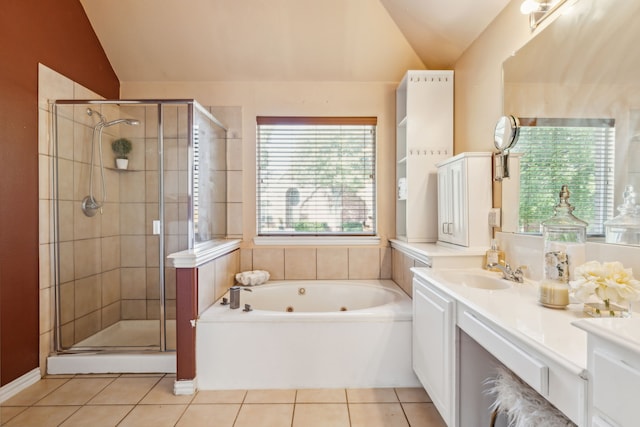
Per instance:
(284,40)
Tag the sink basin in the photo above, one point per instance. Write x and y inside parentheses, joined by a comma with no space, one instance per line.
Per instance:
(477,280)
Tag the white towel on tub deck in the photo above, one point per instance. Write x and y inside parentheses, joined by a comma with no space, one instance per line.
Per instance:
(252,278)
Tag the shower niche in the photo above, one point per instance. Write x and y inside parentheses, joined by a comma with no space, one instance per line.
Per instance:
(114,228)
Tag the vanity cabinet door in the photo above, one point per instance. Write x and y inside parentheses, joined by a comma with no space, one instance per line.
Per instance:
(451,204)
(433,346)
(464,200)
(615,388)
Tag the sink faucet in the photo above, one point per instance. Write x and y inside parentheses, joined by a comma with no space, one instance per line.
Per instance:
(234,294)
(507,273)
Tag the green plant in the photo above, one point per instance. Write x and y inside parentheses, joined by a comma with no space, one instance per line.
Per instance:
(122,147)
(311,226)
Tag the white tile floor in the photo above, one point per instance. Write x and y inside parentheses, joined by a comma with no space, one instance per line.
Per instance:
(147,400)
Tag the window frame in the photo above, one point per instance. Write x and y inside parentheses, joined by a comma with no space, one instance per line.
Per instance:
(316,237)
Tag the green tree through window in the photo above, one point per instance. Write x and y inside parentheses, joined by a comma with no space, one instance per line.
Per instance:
(316,176)
(575,152)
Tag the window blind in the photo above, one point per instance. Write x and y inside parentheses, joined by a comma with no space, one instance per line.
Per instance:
(576,152)
(316,176)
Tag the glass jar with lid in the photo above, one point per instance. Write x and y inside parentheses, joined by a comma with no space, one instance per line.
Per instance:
(625,228)
(564,237)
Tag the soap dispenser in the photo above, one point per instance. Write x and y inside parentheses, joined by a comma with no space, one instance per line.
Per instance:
(494,256)
(625,228)
(564,238)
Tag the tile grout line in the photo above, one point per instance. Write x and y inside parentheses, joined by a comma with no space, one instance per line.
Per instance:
(402,407)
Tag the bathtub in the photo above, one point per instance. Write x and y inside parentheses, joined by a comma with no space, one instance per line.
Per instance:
(308,334)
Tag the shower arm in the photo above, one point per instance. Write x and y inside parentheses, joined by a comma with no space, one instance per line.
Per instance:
(89,203)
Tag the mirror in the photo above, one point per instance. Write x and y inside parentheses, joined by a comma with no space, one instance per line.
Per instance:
(584,64)
(506,133)
(504,137)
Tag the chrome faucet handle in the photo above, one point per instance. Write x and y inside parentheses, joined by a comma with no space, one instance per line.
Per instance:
(518,275)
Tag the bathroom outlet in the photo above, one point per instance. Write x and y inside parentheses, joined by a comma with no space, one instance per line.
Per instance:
(494,217)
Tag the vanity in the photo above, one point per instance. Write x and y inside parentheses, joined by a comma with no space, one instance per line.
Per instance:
(469,321)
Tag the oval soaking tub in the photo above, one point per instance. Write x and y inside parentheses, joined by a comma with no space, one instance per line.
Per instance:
(308,334)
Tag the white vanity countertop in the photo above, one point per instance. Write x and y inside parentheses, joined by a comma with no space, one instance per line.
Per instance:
(436,249)
(623,332)
(516,310)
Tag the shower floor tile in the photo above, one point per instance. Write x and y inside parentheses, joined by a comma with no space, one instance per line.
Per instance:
(131,333)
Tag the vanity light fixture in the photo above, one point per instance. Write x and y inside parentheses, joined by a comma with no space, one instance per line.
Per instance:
(539,10)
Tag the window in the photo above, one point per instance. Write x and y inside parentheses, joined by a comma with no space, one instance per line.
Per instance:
(316,176)
(576,152)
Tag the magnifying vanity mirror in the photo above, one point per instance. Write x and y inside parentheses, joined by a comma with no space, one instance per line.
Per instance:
(506,133)
(583,67)
(504,137)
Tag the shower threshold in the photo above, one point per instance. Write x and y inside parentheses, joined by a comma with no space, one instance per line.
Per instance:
(128,346)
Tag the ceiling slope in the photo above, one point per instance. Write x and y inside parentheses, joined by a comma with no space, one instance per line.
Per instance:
(284,40)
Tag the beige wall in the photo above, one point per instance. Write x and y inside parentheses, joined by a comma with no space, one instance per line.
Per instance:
(294,98)
(478,79)
(478,82)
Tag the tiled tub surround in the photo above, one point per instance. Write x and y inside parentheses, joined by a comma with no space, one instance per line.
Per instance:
(197,291)
(311,263)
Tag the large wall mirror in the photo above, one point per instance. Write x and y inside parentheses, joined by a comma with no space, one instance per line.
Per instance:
(583,65)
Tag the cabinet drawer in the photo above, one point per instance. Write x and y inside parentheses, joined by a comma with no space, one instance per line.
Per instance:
(532,371)
(613,379)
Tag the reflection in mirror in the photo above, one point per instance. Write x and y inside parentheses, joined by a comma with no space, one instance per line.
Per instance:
(572,152)
(584,64)
(539,10)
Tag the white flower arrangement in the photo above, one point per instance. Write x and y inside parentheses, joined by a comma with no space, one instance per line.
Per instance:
(610,281)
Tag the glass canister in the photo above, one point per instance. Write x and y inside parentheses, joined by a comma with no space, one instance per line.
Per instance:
(564,238)
(625,228)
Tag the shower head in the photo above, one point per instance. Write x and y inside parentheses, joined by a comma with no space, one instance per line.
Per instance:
(91,112)
(103,123)
(130,122)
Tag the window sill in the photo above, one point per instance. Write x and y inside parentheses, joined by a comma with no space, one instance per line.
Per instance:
(316,240)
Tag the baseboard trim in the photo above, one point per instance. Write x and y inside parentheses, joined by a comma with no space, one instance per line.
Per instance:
(7,391)
(184,387)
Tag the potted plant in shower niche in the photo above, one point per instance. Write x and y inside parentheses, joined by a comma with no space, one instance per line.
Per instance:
(122,147)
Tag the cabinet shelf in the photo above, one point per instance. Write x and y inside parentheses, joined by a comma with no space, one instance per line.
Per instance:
(424,117)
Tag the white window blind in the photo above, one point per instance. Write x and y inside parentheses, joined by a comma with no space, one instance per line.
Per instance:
(577,152)
(316,176)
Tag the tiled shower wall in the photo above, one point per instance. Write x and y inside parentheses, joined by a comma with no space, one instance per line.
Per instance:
(94,257)
(123,269)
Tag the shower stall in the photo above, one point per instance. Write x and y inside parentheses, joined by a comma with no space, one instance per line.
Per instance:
(113,228)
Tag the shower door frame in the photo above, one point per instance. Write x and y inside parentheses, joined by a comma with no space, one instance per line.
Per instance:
(190,104)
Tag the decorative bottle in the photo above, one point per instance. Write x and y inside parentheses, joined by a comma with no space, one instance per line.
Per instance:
(564,238)
(494,256)
(625,228)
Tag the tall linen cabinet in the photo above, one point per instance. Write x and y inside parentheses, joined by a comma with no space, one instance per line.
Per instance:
(424,137)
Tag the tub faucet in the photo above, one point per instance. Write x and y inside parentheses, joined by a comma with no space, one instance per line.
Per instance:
(507,273)
(234,294)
